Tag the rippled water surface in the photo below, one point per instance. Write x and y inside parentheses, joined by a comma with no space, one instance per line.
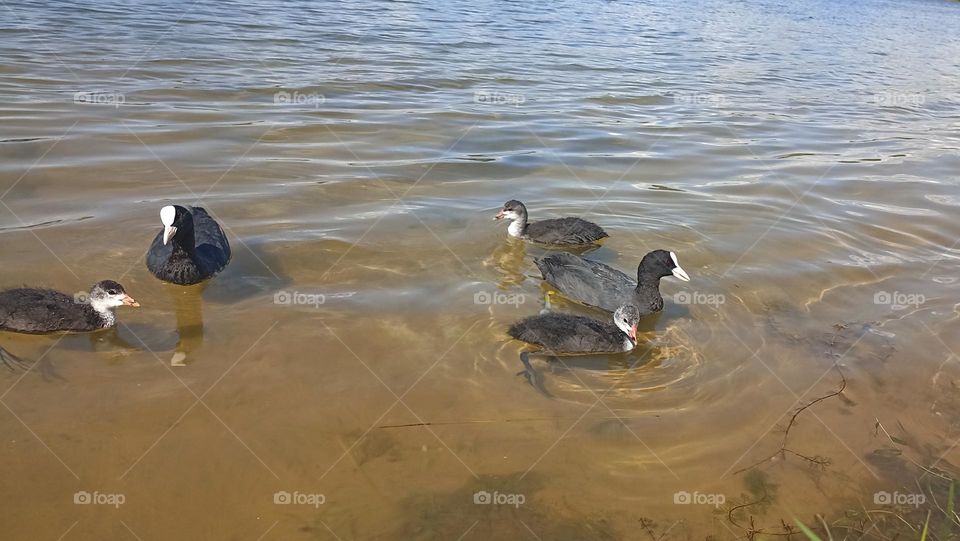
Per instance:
(802,161)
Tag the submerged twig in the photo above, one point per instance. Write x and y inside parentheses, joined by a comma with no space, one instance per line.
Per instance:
(493,421)
(817,460)
(752,531)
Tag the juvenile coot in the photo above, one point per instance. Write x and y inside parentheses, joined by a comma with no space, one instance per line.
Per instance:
(567,334)
(190,248)
(599,285)
(38,311)
(558,231)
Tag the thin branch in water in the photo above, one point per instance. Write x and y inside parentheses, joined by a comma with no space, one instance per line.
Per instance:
(817,460)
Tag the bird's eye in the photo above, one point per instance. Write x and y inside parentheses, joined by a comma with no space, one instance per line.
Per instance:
(112,291)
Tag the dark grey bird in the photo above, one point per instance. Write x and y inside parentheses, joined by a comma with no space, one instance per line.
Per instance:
(567,334)
(39,311)
(595,284)
(190,248)
(556,232)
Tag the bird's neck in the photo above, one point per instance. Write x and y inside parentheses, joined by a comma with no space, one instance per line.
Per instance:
(109,317)
(184,245)
(518,226)
(646,280)
(106,314)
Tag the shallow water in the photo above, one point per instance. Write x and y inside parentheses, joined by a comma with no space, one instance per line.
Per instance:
(801,161)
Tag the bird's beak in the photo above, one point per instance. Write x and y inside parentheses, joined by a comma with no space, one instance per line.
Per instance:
(168,232)
(680,273)
(499,216)
(633,333)
(129,301)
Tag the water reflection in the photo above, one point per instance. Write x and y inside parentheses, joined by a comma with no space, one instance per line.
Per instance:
(158,338)
(508,259)
(189,314)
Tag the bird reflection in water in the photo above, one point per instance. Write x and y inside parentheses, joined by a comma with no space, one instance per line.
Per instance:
(508,260)
(189,309)
(189,328)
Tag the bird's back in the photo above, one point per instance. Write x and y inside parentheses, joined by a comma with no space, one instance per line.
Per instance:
(565,333)
(562,231)
(211,242)
(585,281)
(37,310)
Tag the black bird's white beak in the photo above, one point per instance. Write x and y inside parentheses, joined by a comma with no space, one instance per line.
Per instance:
(677,271)
(168,232)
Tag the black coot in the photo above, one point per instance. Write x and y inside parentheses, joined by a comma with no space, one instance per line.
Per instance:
(190,248)
(557,232)
(39,311)
(599,285)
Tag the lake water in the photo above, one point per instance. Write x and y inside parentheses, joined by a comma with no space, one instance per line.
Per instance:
(801,159)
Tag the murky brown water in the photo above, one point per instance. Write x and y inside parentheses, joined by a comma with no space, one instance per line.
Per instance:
(802,162)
